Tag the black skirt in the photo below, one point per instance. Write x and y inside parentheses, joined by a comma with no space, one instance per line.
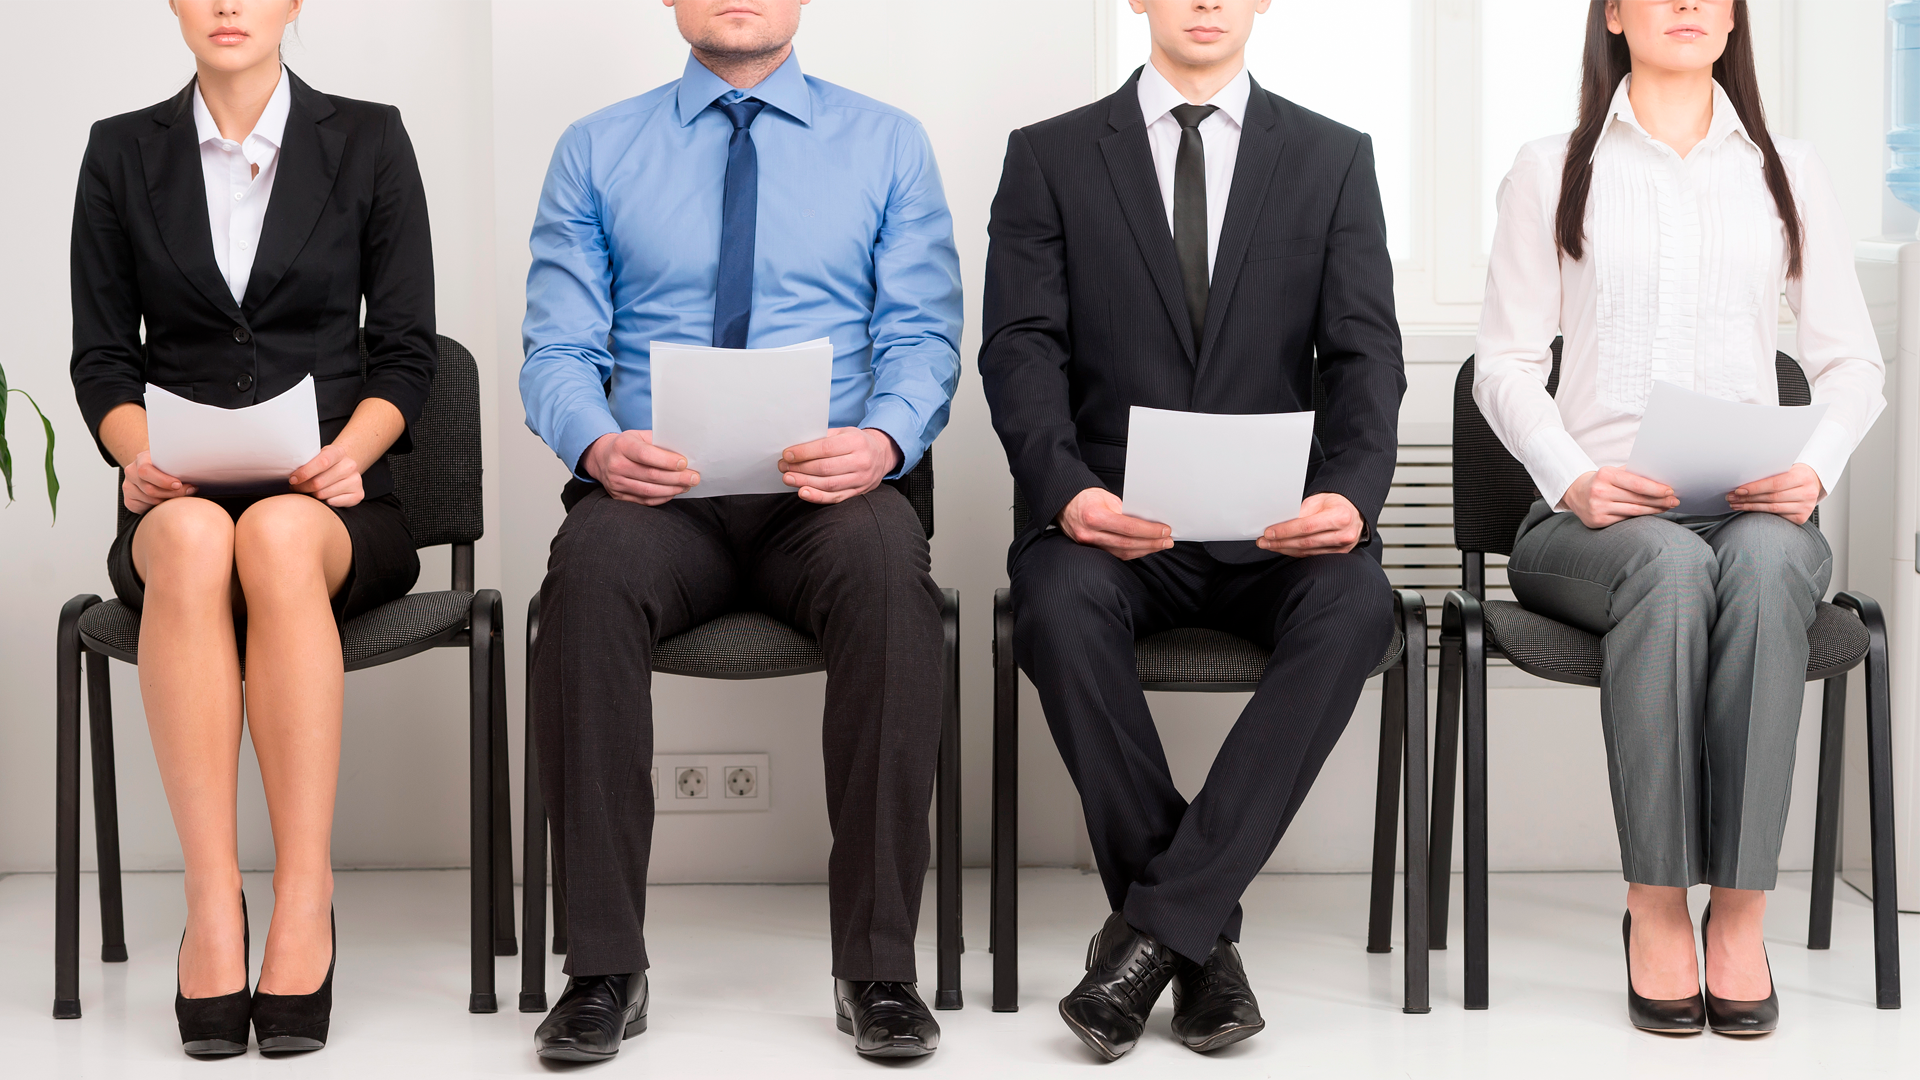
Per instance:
(385,564)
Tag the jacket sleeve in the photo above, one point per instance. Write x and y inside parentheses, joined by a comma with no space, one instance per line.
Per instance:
(1026,337)
(108,365)
(1357,338)
(396,277)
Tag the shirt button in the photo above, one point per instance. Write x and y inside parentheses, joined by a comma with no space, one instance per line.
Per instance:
(244,383)
(240,335)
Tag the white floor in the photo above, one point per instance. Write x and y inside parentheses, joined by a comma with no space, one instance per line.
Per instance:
(740,990)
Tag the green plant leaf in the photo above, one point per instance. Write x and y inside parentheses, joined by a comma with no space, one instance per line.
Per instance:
(53,480)
(6,456)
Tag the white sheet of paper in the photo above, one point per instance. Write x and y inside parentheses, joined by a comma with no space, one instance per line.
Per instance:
(1703,447)
(1214,476)
(250,450)
(732,412)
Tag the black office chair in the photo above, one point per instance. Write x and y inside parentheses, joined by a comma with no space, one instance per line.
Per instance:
(1492,493)
(439,485)
(1192,659)
(754,645)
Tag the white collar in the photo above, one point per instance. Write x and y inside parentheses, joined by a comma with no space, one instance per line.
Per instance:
(1726,119)
(270,128)
(1158,97)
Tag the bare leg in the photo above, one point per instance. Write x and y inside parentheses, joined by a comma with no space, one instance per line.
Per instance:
(292,554)
(190,685)
(1736,950)
(1665,964)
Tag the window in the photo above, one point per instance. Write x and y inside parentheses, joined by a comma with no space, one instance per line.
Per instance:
(1529,85)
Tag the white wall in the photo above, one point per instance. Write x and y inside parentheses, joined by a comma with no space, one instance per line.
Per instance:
(485,90)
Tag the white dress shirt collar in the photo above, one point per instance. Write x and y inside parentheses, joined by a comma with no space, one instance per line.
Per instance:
(269,130)
(1158,97)
(1726,119)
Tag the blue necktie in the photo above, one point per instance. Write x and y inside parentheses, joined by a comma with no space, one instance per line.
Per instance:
(733,293)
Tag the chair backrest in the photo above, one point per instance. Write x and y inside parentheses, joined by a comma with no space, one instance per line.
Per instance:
(917,486)
(1491,489)
(439,482)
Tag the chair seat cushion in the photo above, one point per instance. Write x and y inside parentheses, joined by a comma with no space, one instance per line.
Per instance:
(1190,658)
(1836,642)
(743,645)
(389,632)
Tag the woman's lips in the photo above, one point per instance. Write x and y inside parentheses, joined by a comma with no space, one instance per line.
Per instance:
(228,35)
(1687,32)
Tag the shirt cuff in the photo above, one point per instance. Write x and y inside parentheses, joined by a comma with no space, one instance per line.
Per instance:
(579,432)
(899,423)
(1826,453)
(1554,461)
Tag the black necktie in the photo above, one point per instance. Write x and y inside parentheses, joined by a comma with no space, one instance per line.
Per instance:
(739,211)
(1190,212)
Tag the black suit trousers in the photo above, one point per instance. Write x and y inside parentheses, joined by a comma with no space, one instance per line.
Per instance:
(855,575)
(1176,870)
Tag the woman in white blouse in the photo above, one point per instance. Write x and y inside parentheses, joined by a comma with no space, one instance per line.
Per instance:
(1657,238)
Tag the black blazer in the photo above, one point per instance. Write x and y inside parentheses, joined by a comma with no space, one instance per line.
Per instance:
(1085,315)
(347,219)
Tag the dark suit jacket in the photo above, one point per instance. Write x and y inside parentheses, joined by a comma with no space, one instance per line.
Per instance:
(347,219)
(1085,315)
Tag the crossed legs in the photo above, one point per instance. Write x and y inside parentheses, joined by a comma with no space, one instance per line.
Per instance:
(278,564)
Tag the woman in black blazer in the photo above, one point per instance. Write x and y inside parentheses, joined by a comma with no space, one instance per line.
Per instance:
(241,224)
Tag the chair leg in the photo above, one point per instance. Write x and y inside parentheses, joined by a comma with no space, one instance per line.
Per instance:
(66,829)
(483,617)
(1386,809)
(106,810)
(533,851)
(503,939)
(1474,839)
(947,812)
(1826,818)
(1886,926)
(1446,762)
(1413,610)
(1005,887)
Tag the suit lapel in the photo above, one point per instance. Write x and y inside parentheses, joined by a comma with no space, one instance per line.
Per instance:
(177,195)
(1130,165)
(309,161)
(1260,142)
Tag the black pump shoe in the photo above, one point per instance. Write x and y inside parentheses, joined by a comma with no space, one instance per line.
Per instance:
(1668,1016)
(215,1027)
(1126,973)
(1213,1005)
(296,1023)
(886,1019)
(591,1018)
(1741,1017)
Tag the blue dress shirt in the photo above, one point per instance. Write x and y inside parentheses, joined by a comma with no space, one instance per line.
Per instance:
(854,243)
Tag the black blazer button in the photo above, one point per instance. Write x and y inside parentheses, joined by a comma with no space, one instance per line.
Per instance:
(245,382)
(240,335)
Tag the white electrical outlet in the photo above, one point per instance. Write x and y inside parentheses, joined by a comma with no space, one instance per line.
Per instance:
(709,782)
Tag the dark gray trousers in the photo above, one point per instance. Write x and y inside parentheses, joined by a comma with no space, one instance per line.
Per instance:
(1705,623)
(856,576)
(1176,870)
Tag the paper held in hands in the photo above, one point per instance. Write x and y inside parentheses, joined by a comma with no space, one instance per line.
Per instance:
(247,451)
(732,412)
(1215,476)
(1703,447)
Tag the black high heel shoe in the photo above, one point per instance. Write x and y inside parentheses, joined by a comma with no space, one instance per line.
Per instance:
(297,1023)
(1741,1017)
(215,1027)
(1668,1016)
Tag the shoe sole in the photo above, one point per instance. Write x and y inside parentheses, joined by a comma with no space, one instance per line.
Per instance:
(1224,1039)
(1742,1033)
(904,1049)
(1094,1042)
(571,1053)
(213,1048)
(289,1044)
(1671,1031)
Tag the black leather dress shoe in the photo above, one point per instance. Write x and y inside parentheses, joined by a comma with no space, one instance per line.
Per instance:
(886,1019)
(1126,972)
(1740,1017)
(1675,1016)
(590,1019)
(1213,1004)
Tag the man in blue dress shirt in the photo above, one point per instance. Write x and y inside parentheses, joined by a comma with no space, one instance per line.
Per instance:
(745,205)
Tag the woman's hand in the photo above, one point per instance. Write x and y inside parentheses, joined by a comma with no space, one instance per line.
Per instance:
(1613,494)
(147,487)
(1792,494)
(333,477)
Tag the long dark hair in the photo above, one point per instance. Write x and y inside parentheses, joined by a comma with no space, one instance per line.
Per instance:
(1607,61)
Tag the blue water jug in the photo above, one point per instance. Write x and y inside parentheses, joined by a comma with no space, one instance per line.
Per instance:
(1903,177)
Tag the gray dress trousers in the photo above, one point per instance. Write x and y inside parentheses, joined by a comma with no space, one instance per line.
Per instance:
(1705,625)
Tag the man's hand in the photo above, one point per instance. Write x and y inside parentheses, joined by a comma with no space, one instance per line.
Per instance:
(1613,494)
(632,469)
(147,487)
(332,476)
(848,462)
(1328,525)
(1094,518)
(1792,494)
